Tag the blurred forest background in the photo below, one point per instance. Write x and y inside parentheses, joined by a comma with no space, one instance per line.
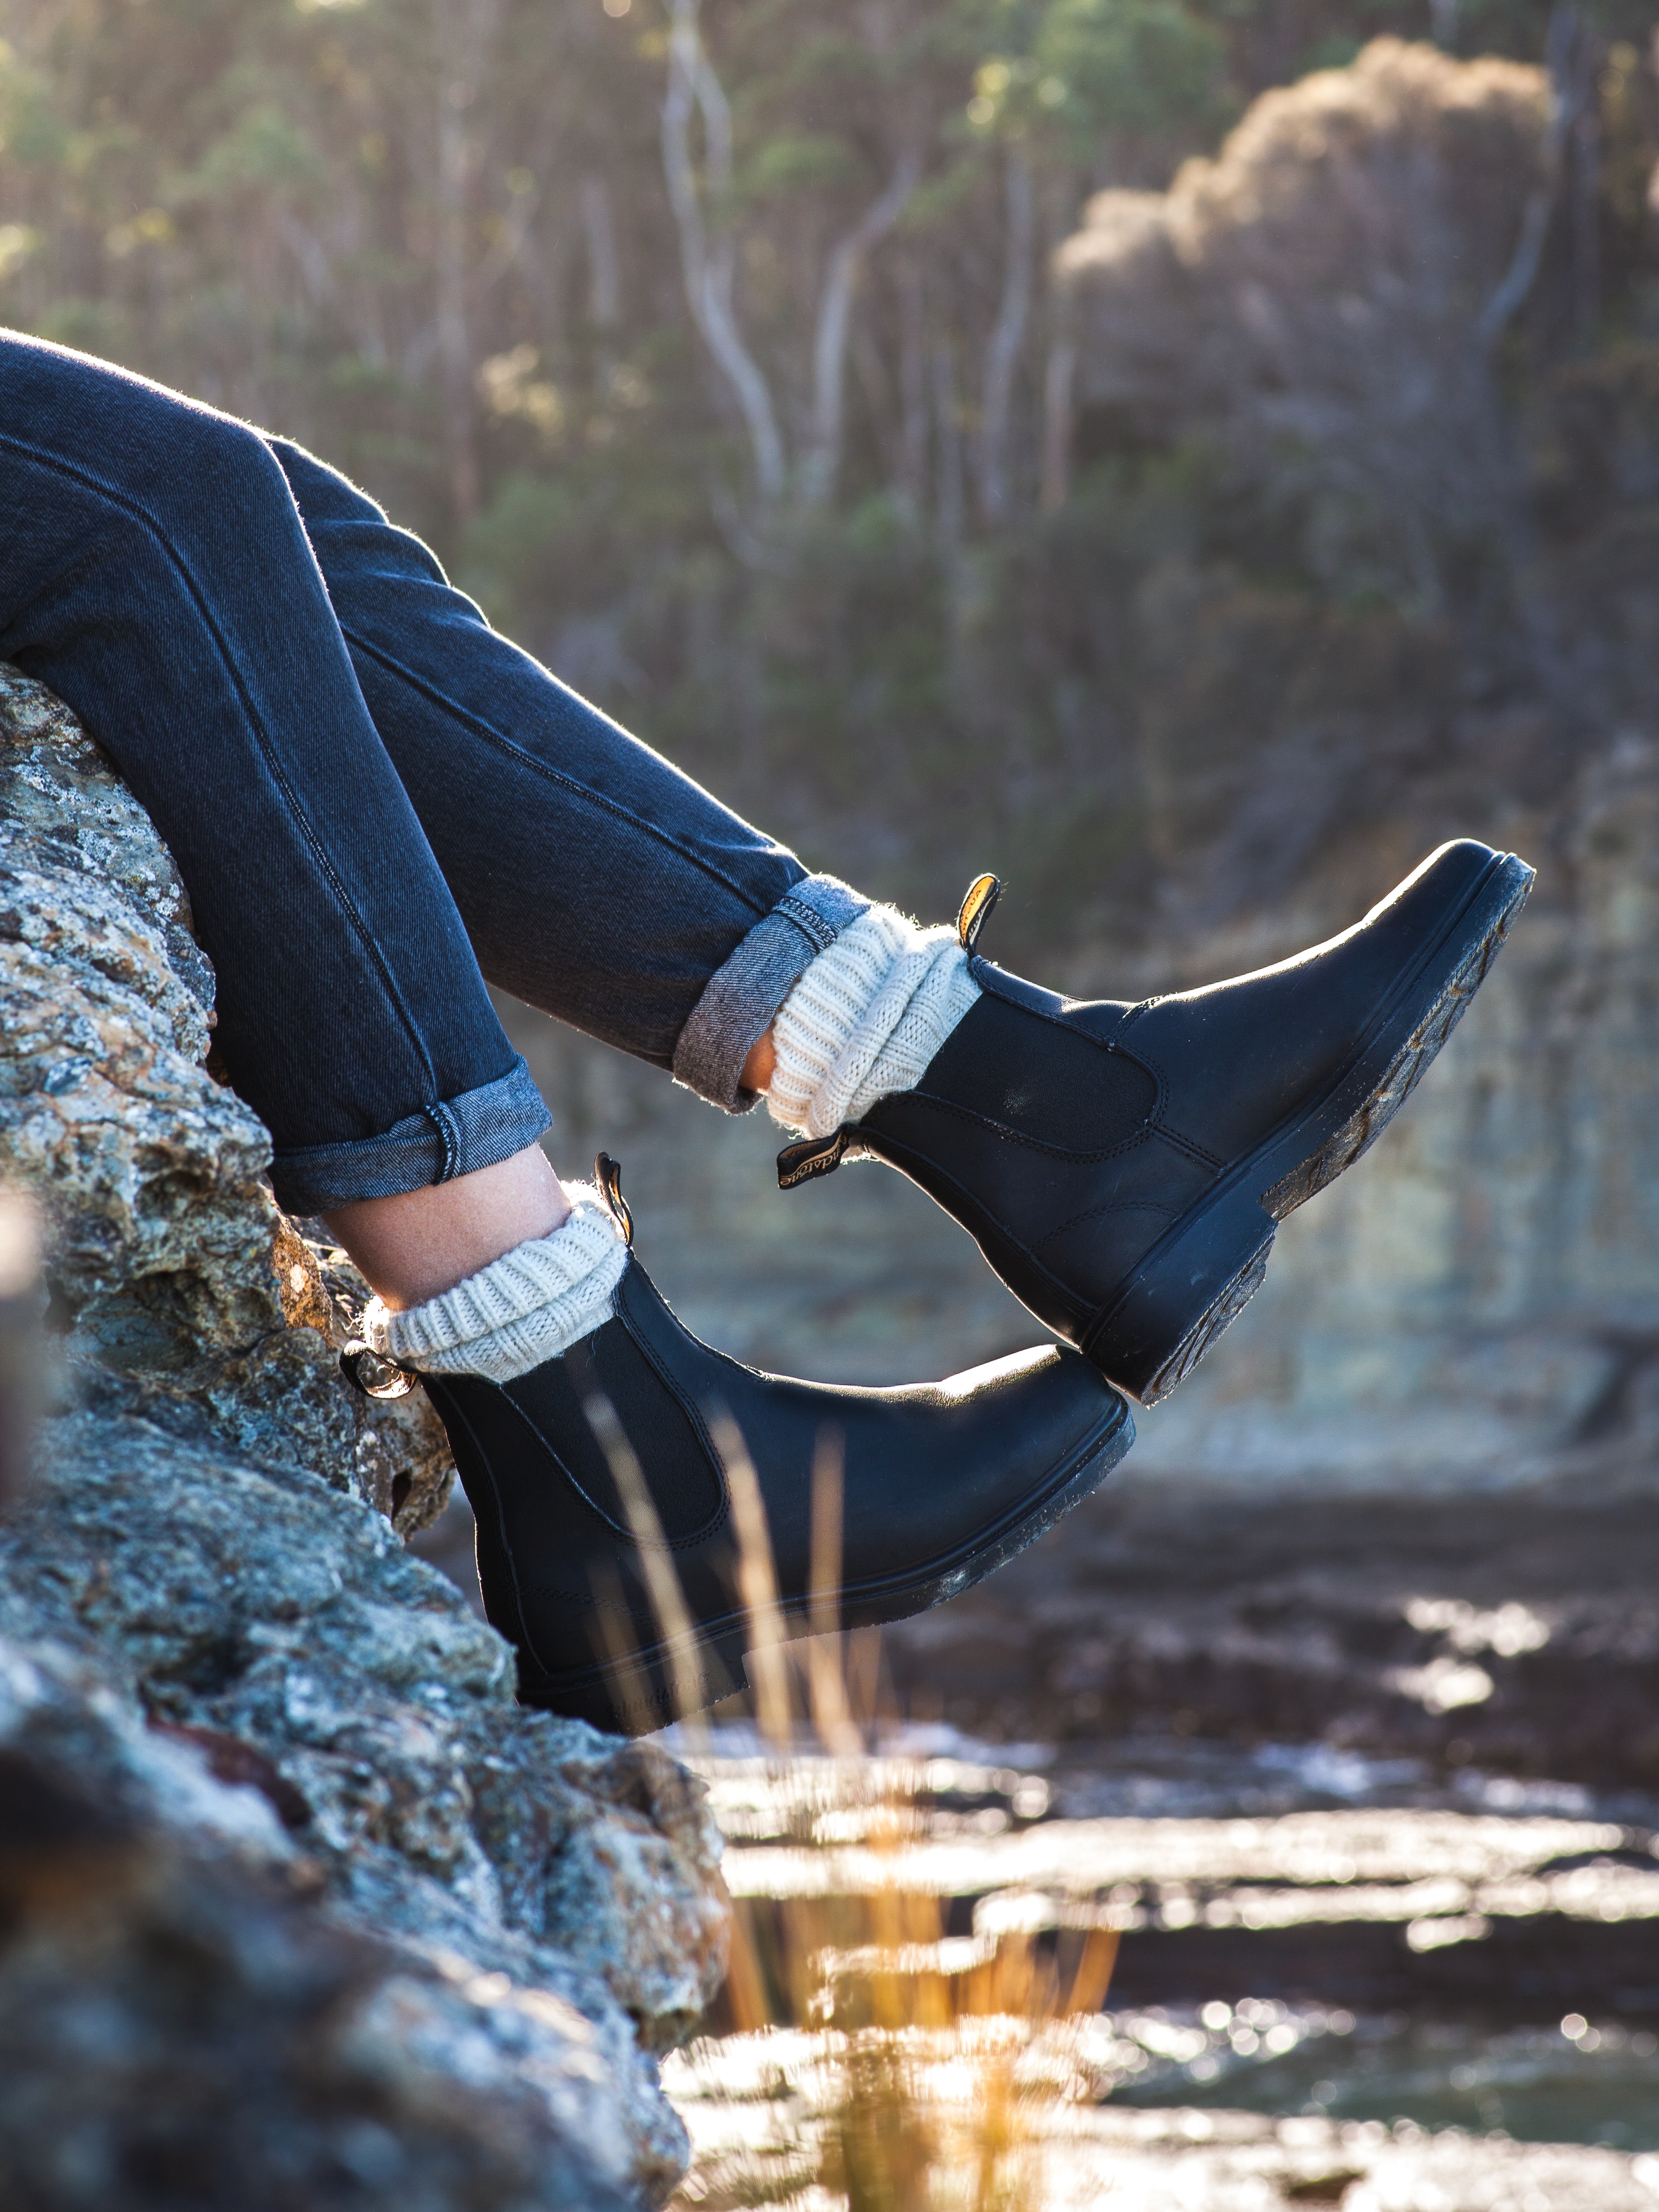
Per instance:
(921,417)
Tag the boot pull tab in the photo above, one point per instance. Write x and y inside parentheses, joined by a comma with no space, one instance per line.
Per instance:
(812,1156)
(976,909)
(372,1374)
(607,1173)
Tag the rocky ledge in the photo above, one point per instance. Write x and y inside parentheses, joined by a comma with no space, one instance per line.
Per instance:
(297,1906)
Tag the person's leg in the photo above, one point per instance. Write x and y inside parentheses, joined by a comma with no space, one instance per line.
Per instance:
(155,573)
(596,880)
(1099,1154)
(417,1244)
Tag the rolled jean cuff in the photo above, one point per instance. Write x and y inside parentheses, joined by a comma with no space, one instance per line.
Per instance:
(452,1139)
(736,1008)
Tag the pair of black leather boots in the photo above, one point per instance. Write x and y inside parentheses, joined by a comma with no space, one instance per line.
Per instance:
(1121,1167)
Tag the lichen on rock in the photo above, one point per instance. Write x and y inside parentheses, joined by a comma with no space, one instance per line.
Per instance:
(166,1245)
(206,1564)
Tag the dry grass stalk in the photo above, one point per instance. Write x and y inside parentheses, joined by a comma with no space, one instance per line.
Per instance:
(662,1582)
(900,2004)
(757,1585)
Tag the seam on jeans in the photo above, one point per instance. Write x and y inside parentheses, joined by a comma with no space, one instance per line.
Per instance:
(807,920)
(319,1167)
(487,730)
(449,1134)
(278,775)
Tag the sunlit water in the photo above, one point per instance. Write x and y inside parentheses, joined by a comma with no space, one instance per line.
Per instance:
(1015,1843)
(1595,2082)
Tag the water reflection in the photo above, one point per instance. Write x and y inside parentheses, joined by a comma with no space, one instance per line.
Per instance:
(1364,1949)
(1175,2109)
(1538,2084)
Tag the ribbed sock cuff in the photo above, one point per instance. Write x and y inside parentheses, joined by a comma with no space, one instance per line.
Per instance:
(739,1003)
(530,1305)
(864,1020)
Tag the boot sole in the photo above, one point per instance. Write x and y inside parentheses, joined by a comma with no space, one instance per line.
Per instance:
(666,1679)
(1204,1272)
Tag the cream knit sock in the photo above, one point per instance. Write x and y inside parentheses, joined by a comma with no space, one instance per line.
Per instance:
(533,1303)
(864,1020)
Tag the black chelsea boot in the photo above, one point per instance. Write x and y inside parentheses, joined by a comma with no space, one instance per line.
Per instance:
(603,1482)
(1123,1167)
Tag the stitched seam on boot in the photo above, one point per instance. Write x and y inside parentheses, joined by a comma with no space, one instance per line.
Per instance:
(1147,1128)
(981,968)
(1193,1149)
(1112,1206)
(616,1528)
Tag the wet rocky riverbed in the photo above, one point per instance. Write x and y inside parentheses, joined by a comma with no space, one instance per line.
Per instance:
(1515,1631)
(1225,1852)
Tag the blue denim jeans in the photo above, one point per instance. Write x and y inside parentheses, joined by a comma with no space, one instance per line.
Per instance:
(376,800)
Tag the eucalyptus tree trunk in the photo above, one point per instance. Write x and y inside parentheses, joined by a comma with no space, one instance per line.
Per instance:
(912,387)
(708,267)
(948,473)
(604,264)
(1058,380)
(1007,336)
(1573,60)
(821,458)
(463,34)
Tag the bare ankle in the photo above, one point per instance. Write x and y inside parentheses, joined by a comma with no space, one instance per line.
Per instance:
(422,1242)
(761,1065)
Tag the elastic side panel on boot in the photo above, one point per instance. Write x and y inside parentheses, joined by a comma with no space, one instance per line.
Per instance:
(684,1488)
(1043,1080)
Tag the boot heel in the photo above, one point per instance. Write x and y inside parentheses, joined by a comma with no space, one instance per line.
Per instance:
(1181,1298)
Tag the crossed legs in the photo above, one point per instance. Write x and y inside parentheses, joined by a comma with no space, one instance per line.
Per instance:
(375,802)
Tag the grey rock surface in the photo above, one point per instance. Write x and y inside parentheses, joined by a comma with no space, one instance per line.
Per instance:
(497,1911)
(179,2024)
(166,1285)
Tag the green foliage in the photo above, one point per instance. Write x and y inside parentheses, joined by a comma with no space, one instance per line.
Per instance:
(1143,66)
(1074,74)
(265,149)
(804,163)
